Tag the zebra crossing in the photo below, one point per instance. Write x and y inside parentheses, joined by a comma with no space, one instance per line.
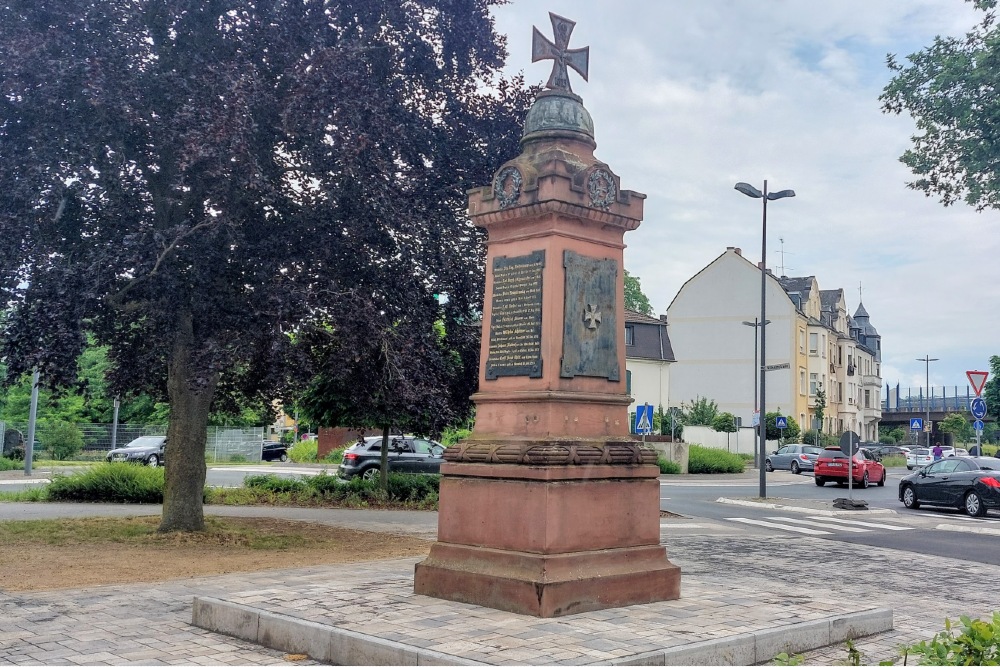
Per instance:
(819,525)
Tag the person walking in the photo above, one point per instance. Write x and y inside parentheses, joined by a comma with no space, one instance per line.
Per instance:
(938,452)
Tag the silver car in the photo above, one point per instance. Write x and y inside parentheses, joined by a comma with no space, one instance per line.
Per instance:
(793,457)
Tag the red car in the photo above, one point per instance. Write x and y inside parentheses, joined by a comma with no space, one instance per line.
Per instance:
(832,466)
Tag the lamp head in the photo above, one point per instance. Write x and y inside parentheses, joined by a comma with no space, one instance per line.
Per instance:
(780,194)
(749,190)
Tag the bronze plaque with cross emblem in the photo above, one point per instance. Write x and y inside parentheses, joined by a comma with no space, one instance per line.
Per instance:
(590,327)
(516,322)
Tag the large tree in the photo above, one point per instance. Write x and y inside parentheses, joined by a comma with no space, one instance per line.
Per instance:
(189,181)
(635,299)
(950,89)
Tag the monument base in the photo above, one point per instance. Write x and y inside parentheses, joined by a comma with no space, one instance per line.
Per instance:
(548,540)
(548,586)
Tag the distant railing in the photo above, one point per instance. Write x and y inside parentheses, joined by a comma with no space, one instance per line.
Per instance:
(937,400)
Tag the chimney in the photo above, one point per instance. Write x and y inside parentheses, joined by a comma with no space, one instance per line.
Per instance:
(735,249)
(663,318)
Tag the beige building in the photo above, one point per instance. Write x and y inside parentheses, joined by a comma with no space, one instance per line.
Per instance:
(648,356)
(812,344)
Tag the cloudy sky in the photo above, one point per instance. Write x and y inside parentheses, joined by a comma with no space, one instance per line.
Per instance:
(690,98)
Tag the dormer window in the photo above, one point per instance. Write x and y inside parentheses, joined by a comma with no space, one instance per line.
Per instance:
(629,335)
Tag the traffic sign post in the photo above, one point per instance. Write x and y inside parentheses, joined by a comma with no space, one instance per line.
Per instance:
(978,409)
(849,443)
(644,419)
(916,424)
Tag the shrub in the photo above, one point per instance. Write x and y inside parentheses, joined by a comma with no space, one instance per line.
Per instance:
(335,456)
(707,460)
(10,464)
(62,439)
(452,435)
(668,467)
(304,451)
(274,484)
(110,483)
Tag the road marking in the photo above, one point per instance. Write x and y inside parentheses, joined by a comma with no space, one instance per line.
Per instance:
(25,481)
(673,524)
(967,529)
(778,526)
(807,522)
(886,526)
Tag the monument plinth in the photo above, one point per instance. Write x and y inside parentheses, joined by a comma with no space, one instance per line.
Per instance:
(550,507)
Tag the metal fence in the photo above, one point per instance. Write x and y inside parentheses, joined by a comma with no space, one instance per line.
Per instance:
(223,444)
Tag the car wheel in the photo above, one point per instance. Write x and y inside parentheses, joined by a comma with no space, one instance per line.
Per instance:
(820,481)
(864,481)
(885,474)
(153,461)
(767,465)
(795,468)
(909,467)
(974,504)
(370,474)
(910,501)
(284,457)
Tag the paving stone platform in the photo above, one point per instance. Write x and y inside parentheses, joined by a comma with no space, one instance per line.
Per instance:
(367,614)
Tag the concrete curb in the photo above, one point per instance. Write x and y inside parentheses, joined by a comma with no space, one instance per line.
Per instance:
(343,647)
(796,508)
(755,648)
(324,643)
(967,529)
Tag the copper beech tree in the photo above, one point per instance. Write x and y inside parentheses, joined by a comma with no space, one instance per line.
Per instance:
(199,184)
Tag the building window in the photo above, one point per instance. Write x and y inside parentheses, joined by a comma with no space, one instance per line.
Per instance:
(868,398)
(630,335)
(628,381)
(813,383)
(802,341)
(814,343)
(802,382)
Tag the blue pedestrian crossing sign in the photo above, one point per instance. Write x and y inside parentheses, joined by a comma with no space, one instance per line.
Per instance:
(916,424)
(781,422)
(978,425)
(644,419)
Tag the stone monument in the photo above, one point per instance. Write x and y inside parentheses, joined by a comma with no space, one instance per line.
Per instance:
(550,507)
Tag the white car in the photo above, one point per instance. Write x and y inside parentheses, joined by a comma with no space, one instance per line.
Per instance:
(921,456)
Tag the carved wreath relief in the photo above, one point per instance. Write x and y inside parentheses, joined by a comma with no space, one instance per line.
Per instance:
(602,189)
(507,187)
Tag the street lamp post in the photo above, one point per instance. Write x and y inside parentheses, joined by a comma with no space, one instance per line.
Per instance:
(927,385)
(751,191)
(756,445)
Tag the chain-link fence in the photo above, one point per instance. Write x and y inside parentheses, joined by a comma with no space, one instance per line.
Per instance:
(224,444)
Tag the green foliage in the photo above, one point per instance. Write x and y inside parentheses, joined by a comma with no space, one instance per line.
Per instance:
(949,88)
(791,434)
(788,660)
(335,455)
(634,298)
(701,412)
(304,451)
(412,491)
(978,643)
(109,483)
(665,425)
(824,439)
(991,391)
(724,422)
(452,434)
(668,467)
(10,464)
(274,483)
(708,460)
(62,440)
(958,426)
(819,409)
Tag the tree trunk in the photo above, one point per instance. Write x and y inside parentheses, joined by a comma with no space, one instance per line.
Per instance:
(183,493)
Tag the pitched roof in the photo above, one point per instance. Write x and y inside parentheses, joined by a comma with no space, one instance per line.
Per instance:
(636,316)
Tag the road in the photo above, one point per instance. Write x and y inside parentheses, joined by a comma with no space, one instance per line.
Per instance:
(796,506)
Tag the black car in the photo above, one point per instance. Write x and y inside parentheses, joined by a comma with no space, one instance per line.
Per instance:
(148,450)
(406,454)
(274,451)
(966,482)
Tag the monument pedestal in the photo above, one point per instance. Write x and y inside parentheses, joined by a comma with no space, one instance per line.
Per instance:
(550,540)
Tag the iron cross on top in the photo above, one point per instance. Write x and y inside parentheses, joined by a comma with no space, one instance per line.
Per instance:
(543,49)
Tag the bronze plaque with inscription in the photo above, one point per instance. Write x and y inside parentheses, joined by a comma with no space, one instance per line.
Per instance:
(516,321)
(590,326)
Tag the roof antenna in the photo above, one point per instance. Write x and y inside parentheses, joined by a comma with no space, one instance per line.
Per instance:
(782,251)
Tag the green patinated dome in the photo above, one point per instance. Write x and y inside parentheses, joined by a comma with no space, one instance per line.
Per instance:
(556,112)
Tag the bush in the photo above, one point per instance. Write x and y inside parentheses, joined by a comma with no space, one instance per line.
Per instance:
(11,464)
(707,460)
(304,451)
(452,435)
(274,484)
(335,456)
(668,467)
(110,483)
(62,439)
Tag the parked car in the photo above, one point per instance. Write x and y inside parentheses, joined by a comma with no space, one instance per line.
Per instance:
(795,457)
(407,454)
(960,452)
(274,451)
(832,465)
(969,483)
(882,451)
(149,450)
(921,456)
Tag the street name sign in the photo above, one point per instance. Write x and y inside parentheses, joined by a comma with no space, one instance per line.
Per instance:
(776,367)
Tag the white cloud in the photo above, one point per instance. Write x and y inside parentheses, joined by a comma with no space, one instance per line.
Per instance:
(688,99)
